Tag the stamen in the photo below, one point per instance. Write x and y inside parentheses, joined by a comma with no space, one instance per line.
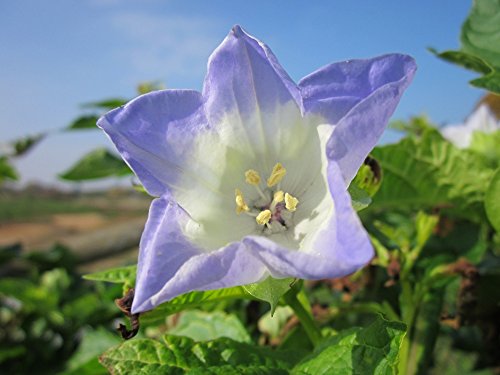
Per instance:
(263,217)
(276,175)
(278,198)
(291,202)
(240,202)
(252,177)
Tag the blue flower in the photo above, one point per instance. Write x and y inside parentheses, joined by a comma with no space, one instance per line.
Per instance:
(251,174)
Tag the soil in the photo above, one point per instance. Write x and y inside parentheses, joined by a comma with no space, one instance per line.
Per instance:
(36,235)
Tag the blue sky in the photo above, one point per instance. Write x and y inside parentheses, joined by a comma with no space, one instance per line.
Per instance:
(56,55)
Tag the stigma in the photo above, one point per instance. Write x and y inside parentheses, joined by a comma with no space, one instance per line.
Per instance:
(274,208)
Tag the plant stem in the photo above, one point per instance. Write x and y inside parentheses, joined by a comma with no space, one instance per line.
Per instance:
(304,316)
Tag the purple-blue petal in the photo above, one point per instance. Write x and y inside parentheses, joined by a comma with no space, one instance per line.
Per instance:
(245,87)
(162,251)
(339,249)
(170,265)
(245,76)
(154,133)
(357,97)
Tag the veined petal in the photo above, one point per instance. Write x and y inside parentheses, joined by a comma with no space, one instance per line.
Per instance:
(357,97)
(163,250)
(193,150)
(338,248)
(155,134)
(170,264)
(249,97)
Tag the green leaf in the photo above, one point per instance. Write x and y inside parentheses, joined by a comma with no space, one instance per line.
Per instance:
(85,360)
(463,59)
(23,145)
(480,40)
(145,87)
(480,34)
(416,125)
(180,355)
(365,184)
(106,104)
(360,198)
(426,172)
(204,326)
(99,163)
(84,122)
(487,145)
(370,350)
(190,301)
(424,225)
(270,290)
(142,356)
(7,172)
(13,352)
(119,275)
(33,297)
(492,201)
(490,82)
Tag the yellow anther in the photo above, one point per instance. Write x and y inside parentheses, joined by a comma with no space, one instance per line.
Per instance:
(252,177)
(276,175)
(263,217)
(291,202)
(240,202)
(278,196)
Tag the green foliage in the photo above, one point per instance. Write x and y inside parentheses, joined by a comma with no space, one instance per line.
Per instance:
(23,145)
(181,355)
(370,350)
(7,172)
(99,163)
(106,104)
(203,326)
(120,275)
(270,290)
(428,172)
(480,32)
(85,360)
(84,122)
(365,184)
(480,45)
(492,201)
(190,301)
(149,86)
(487,146)
(42,310)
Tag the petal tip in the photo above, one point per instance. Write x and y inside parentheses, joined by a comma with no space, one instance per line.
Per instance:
(237,31)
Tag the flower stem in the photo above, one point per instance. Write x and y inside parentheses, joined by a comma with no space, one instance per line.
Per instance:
(305,317)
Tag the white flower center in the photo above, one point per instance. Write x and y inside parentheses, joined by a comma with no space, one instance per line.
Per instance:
(273,209)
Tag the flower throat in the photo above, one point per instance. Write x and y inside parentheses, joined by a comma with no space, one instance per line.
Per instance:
(274,209)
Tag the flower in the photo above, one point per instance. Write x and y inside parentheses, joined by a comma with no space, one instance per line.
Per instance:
(481,120)
(252,173)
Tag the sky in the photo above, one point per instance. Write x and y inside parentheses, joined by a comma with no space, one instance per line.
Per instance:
(56,55)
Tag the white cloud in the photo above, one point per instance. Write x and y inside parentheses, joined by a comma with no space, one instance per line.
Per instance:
(170,45)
